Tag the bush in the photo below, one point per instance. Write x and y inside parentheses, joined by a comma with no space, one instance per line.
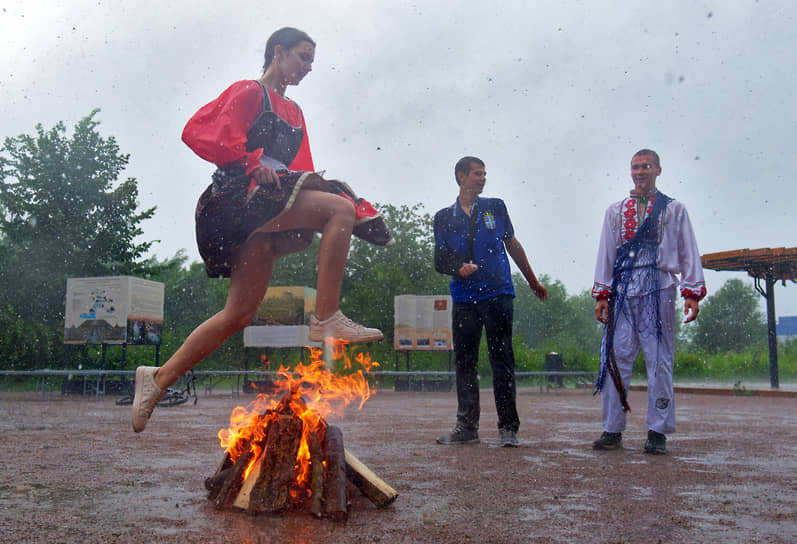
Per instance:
(689,365)
(787,360)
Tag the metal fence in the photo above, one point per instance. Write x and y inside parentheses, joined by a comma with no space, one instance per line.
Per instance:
(107,382)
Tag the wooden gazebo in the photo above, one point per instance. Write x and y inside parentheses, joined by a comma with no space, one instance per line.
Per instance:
(768,265)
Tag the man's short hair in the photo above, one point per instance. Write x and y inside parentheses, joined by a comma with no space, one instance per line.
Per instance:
(651,153)
(463,166)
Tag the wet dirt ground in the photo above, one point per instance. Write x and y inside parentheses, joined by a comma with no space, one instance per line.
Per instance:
(73,471)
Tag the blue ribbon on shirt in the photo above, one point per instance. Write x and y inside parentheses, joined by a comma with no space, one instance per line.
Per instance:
(621,279)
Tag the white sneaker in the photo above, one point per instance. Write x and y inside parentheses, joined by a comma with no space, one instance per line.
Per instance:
(147,396)
(340,327)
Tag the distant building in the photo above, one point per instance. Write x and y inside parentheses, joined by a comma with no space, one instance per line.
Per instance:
(787,328)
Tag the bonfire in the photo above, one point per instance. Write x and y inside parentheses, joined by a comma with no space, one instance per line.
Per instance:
(281,454)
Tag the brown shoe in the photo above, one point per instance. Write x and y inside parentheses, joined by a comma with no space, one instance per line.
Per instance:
(147,396)
(340,327)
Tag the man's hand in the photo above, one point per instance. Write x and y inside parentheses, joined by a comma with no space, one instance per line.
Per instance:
(467,269)
(602,310)
(691,309)
(265,175)
(539,290)
(518,254)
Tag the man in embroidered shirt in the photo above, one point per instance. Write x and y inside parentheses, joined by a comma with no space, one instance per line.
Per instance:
(472,238)
(635,289)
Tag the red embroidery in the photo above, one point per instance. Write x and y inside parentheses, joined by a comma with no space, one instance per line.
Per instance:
(696,292)
(632,220)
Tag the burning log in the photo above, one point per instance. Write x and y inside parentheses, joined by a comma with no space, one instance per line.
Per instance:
(317,474)
(228,481)
(263,477)
(267,487)
(280,454)
(215,482)
(335,500)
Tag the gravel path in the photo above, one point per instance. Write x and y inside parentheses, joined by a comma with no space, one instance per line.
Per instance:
(73,471)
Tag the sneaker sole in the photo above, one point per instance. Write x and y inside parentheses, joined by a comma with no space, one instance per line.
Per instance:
(352,341)
(459,442)
(137,398)
(606,448)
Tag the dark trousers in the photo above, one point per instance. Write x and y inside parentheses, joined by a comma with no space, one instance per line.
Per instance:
(495,315)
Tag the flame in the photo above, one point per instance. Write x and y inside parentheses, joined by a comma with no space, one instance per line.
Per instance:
(311,392)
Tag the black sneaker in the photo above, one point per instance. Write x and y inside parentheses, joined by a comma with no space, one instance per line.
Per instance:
(608,441)
(655,443)
(460,435)
(508,438)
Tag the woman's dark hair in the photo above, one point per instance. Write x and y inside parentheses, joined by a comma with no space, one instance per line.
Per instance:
(286,37)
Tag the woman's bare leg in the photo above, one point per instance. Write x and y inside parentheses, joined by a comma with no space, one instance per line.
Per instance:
(249,279)
(325,212)
(334,217)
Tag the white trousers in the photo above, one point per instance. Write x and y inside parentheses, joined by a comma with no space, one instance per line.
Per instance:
(635,329)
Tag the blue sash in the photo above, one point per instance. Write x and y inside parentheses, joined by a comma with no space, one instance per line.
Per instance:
(644,241)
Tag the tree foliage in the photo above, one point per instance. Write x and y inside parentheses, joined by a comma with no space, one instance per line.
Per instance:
(561,321)
(374,276)
(191,298)
(729,320)
(299,268)
(63,213)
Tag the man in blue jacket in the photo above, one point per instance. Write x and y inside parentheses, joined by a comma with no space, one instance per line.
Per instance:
(472,239)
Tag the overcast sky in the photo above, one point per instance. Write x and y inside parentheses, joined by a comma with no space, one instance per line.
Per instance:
(555,97)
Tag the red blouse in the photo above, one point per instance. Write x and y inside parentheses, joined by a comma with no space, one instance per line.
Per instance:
(218,131)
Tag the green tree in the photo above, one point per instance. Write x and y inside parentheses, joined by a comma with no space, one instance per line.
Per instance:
(64,214)
(560,322)
(374,276)
(300,268)
(730,320)
(191,297)
(413,252)
(540,324)
(584,331)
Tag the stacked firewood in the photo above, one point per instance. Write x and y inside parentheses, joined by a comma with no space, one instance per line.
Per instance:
(271,484)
